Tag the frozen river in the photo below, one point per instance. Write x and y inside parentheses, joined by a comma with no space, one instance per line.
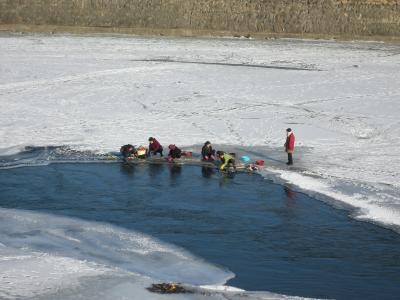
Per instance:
(99,92)
(96,93)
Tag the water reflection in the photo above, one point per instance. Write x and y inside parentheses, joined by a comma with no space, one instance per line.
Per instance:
(175,169)
(207,172)
(175,172)
(226,180)
(290,196)
(128,169)
(155,170)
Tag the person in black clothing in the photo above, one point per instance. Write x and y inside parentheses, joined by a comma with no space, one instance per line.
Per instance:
(128,151)
(207,152)
(174,152)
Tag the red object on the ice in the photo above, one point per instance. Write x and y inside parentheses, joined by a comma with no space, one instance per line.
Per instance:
(187,153)
(259,162)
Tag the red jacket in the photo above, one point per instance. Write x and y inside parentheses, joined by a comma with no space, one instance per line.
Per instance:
(289,145)
(155,145)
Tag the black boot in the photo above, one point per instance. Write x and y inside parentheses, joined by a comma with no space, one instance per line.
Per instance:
(290,159)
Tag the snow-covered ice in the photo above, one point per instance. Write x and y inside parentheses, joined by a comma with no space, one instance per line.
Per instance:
(100,92)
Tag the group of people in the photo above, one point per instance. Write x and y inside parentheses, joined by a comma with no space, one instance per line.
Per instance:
(130,151)
(208,154)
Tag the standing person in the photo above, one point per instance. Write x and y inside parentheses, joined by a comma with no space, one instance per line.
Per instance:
(226,160)
(174,152)
(207,152)
(155,147)
(289,145)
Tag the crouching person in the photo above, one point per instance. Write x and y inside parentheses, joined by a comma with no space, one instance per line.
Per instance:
(227,160)
(155,147)
(174,152)
(128,151)
(207,152)
(141,152)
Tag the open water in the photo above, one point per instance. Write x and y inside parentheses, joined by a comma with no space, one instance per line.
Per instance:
(270,237)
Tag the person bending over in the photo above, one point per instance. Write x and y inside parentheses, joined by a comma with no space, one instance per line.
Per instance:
(128,151)
(155,147)
(226,160)
(174,152)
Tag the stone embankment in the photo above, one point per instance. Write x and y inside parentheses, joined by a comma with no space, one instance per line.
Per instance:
(365,19)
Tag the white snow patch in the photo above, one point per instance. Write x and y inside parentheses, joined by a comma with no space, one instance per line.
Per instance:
(368,207)
(39,273)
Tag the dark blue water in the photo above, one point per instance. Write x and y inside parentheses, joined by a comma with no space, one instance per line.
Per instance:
(272,238)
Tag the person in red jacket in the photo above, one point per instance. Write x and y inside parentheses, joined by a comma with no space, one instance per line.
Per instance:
(154,147)
(289,146)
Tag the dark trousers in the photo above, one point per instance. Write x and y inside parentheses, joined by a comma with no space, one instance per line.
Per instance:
(232,163)
(155,152)
(290,158)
